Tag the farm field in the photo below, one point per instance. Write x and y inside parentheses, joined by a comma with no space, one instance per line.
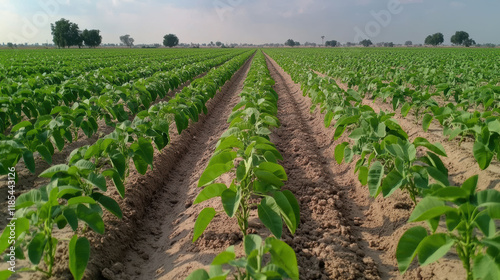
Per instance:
(123,158)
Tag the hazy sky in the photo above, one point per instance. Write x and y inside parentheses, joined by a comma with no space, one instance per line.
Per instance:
(254,21)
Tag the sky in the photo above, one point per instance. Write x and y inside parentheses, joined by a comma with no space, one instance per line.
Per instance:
(254,21)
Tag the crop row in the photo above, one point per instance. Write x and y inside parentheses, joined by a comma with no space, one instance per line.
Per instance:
(76,192)
(246,154)
(387,161)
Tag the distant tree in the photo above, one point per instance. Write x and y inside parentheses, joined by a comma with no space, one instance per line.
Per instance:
(211,44)
(10,45)
(435,39)
(408,43)
(66,34)
(127,40)
(170,40)
(91,38)
(461,38)
(350,44)
(218,43)
(331,43)
(290,43)
(366,43)
(323,39)
(297,43)
(389,44)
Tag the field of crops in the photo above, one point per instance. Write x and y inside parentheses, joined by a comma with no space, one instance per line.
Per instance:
(307,163)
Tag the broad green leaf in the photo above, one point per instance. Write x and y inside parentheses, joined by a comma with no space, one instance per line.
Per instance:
(213,172)
(433,247)
(210,191)
(21,225)
(426,121)
(199,274)
(81,199)
(119,162)
(251,242)
(286,211)
(485,268)
(274,168)
(339,152)
(98,181)
(450,193)
(429,207)
(268,177)
(391,183)
(79,254)
(486,224)
(29,161)
(435,148)
(268,212)
(482,155)
(204,218)
(470,185)
(295,205)
(91,217)
(5,274)
(36,248)
(20,125)
(51,171)
(222,158)
(438,175)
(363,175)
(230,201)
(375,175)
(110,204)
(407,246)
(283,256)
(223,258)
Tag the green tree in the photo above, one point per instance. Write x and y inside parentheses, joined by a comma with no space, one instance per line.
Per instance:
(435,39)
(290,43)
(408,43)
(66,34)
(218,43)
(170,40)
(461,38)
(331,43)
(366,43)
(91,38)
(127,40)
(10,45)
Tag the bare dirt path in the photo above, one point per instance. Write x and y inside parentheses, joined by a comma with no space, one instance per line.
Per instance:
(158,244)
(350,235)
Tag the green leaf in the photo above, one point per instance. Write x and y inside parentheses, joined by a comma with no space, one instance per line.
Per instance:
(51,171)
(268,211)
(20,125)
(283,256)
(470,185)
(97,180)
(295,205)
(222,158)
(407,246)
(482,155)
(119,162)
(229,142)
(36,247)
(485,268)
(251,242)
(339,152)
(426,121)
(199,274)
(375,175)
(29,161)
(210,191)
(328,118)
(433,247)
(91,217)
(436,147)
(110,204)
(268,177)
(21,225)
(81,199)
(71,217)
(230,201)
(46,154)
(486,224)
(79,254)
(438,175)
(429,207)
(363,175)
(392,182)
(286,210)
(213,172)
(450,193)
(5,274)
(204,218)
(274,168)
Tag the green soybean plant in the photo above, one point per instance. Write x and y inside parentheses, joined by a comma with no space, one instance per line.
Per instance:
(282,263)
(245,151)
(469,227)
